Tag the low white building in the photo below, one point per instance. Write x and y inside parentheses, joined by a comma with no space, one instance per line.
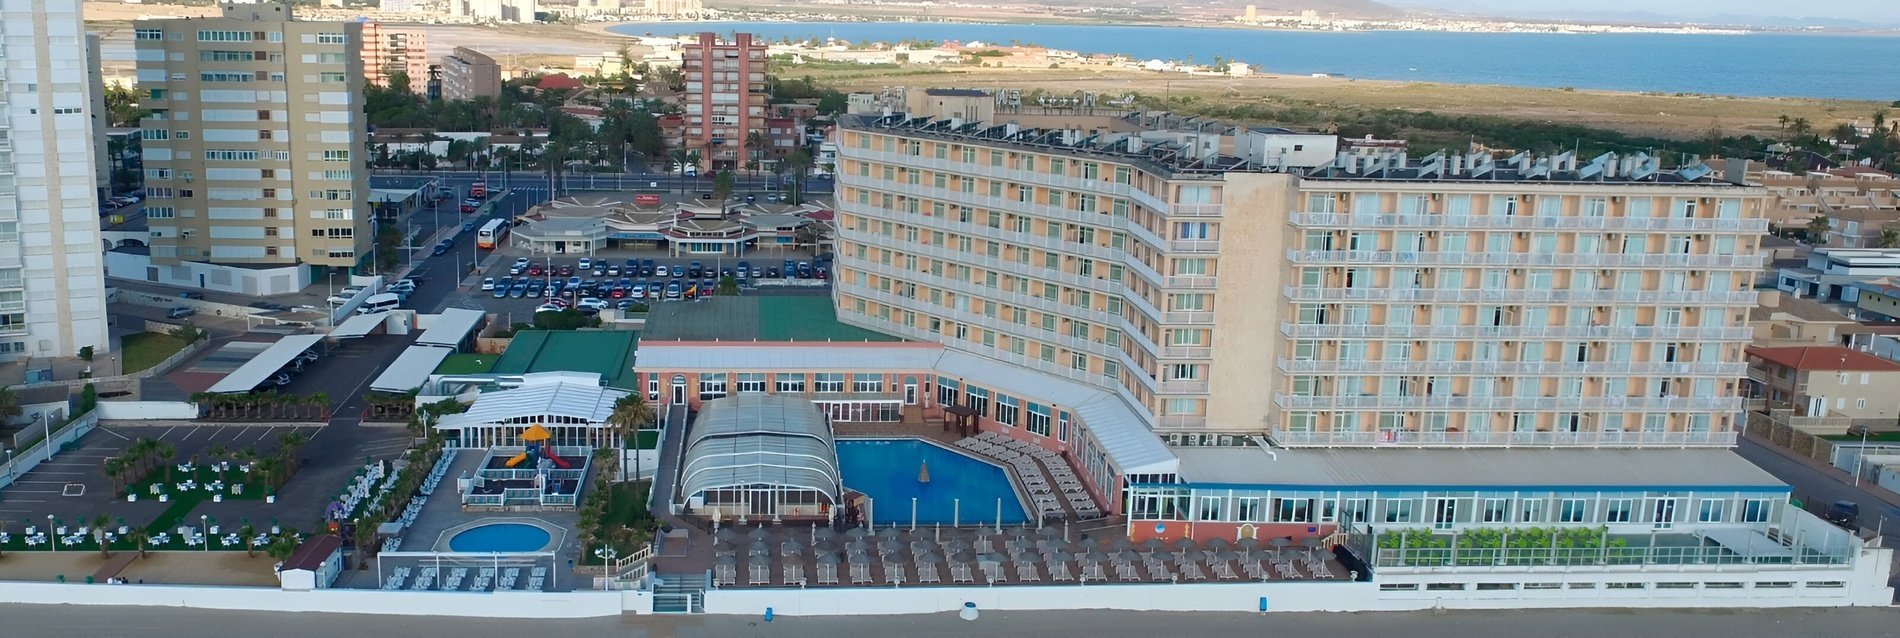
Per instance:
(572,406)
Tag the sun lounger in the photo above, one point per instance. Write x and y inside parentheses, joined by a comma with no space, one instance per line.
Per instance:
(827,574)
(960,573)
(795,574)
(1191,570)
(1059,571)
(927,573)
(893,573)
(1026,572)
(860,573)
(724,575)
(758,574)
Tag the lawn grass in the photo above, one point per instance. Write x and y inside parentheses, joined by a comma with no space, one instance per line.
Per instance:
(467,363)
(147,349)
(182,502)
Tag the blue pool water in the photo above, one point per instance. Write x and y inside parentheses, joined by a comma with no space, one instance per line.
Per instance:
(886,470)
(501,537)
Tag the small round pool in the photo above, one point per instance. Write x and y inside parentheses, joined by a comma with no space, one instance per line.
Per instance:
(501,537)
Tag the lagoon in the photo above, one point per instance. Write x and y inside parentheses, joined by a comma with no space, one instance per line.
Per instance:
(1754,65)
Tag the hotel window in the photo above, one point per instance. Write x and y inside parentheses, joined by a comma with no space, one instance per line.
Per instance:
(1710,511)
(751,383)
(1320,203)
(712,385)
(1007,409)
(978,400)
(1497,510)
(790,384)
(828,382)
(1618,510)
(1398,510)
(1531,511)
(1038,423)
(1293,510)
(1755,510)
(1574,510)
(947,391)
(867,382)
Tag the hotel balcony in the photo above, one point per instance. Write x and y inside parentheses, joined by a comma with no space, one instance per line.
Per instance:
(1509,404)
(1486,295)
(1410,438)
(1527,222)
(1517,259)
(1733,370)
(1592,333)
(1182,386)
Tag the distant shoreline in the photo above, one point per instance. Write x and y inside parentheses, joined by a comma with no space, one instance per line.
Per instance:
(605,28)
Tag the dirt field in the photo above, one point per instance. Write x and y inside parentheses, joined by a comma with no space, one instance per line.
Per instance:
(1686,116)
(47,566)
(203,568)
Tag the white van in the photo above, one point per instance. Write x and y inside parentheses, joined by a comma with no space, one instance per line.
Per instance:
(382,302)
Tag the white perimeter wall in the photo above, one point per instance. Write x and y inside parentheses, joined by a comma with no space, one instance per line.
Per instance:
(147,410)
(578,604)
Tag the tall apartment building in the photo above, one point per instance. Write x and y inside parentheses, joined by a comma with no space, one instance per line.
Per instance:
(1248,281)
(467,73)
(253,149)
(674,8)
(389,50)
(725,98)
(52,280)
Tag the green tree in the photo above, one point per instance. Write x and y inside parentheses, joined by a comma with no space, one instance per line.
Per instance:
(122,106)
(727,287)
(99,523)
(1817,230)
(9,405)
(1889,238)
(188,333)
(723,183)
(799,164)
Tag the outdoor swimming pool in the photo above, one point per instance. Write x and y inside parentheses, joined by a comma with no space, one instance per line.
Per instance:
(961,490)
(501,537)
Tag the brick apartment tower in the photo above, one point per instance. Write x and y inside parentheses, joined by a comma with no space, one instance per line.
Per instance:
(725,99)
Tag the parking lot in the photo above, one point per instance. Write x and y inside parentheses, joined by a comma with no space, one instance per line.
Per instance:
(74,487)
(613,269)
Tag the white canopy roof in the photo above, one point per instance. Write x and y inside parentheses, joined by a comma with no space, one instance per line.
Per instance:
(756,439)
(451,327)
(358,326)
(411,369)
(260,368)
(539,398)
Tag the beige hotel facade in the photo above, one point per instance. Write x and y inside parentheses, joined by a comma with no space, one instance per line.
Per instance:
(253,150)
(1230,282)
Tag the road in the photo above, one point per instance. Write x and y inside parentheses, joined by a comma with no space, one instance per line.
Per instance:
(1817,485)
(64,620)
(458,181)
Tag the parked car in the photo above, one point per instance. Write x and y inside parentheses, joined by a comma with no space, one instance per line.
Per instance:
(564,270)
(804,270)
(658,271)
(655,289)
(518,291)
(266,305)
(744,270)
(471,205)
(179,312)
(636,292)
(547,308)
(488,283)
(772,273)
(190,294)
(791,268)
(694,270)
(501,292)
(536,270)
(587,263)
(282,379)
(612,271)
(309,356)
(822,272)
(1843,513)
(674,290)
(591,302)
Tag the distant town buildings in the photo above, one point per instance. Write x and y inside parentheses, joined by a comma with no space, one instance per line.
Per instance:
(493,10)
(725,99)
(389,50)
(269,167)
(467,73)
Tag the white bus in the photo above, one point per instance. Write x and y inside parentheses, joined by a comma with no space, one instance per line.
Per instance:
(490,234)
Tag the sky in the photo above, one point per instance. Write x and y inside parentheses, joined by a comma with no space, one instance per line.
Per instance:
(1873,11)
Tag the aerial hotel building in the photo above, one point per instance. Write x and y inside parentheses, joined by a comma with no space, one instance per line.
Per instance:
(1481,381)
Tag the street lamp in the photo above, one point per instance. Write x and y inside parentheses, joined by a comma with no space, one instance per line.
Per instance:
(9,463)
(605,554)
(1860,456)
(52,532)
(204,522)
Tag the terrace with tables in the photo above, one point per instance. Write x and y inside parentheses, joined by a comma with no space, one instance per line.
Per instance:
(801,556)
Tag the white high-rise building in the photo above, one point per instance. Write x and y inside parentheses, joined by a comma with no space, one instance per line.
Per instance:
(52,279)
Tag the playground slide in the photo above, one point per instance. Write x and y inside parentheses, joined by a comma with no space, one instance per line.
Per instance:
(518,458)
(558,461)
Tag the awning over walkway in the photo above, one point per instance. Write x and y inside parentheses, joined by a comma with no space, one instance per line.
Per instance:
(451,327)
(410,370)
(1123,433)
(358,326)
(260,368)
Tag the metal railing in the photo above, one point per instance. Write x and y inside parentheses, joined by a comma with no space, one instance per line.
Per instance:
(1486,295)
(1187,352)
(1643,333)
(1527,222)
(1523,259)
(1194,245)
(1180,422)
(960,316)
(1409,438)
(1508,404)
(998,354)
(1017,299)
(1183,387)
(1732,369)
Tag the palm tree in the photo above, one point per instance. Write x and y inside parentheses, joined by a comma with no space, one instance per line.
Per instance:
(755,146)
(1784,119)
(631,412)
(115,468)
(140,536)
(723,184)
(249,533)
(218,451)
(798,164)
(1818,229)
(1889,238)
(99,523)
(282,546)
(166,452)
